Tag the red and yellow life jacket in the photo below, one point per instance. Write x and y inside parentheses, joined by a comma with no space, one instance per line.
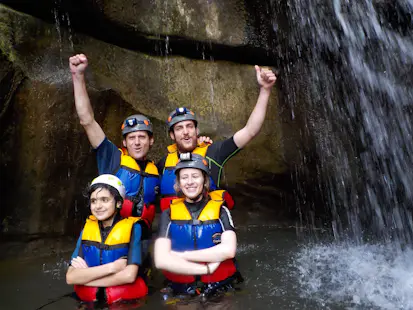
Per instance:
(187,234)
(98,253)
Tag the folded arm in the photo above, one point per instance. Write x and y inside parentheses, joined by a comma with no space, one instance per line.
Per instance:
(127,275)
(166,260)
(223,251)
(85,275)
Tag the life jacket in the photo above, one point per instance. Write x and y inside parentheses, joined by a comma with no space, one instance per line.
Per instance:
(138,183)
(98,253)
(168,177)
(187,234)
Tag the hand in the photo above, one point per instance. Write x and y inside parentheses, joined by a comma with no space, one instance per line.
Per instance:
(265,77)
(206,140)
(213,267)
(78,64)
(78,263)
(119,265)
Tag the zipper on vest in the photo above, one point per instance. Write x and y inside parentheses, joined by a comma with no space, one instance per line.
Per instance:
(194,235)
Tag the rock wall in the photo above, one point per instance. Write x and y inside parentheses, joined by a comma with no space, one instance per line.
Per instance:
(46,158)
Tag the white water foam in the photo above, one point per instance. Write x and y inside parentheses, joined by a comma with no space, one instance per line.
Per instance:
(359,277)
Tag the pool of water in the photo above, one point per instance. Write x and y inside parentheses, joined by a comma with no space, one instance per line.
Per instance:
(281,271)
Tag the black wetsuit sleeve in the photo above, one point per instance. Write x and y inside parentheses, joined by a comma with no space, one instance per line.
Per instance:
(218,154)
(161,165)
(164,224)
(221,151)
(226,219)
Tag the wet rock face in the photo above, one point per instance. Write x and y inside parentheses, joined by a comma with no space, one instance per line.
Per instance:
(219,21)
(53,162)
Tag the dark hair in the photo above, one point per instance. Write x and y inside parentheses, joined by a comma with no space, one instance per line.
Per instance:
(113,191)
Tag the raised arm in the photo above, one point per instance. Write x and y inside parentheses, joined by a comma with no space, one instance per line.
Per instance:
(218,253)
(95,134)
(266,79)
(165,260)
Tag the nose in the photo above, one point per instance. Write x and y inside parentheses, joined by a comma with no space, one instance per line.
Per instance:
(185,131)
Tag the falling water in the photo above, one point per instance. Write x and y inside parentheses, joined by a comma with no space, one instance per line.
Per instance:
(354,90)
(351,86)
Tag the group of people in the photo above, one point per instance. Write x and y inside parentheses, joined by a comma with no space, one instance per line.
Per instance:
(196,242)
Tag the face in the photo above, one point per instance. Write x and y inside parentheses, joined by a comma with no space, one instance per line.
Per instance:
(185,134)
(138,144)
(191,182)
(103,205)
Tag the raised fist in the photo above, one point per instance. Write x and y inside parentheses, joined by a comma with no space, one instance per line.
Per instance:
(78,64)
(265,77)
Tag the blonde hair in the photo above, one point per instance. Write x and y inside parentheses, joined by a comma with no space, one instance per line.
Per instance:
(207,184)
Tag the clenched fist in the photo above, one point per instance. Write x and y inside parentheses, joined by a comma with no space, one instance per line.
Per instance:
(78,64)
(265,77)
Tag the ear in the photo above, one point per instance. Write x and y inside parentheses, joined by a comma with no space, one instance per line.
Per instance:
(172,135)
(151,141)
(124,142)
(197,132)
(118,205)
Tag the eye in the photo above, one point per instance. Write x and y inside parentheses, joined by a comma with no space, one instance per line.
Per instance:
(93,201)
(105,199)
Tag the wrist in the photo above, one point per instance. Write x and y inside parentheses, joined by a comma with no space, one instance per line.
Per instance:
(265,89)
(112,268)
(78,75)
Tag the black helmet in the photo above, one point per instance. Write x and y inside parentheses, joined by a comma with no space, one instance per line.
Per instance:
(179,115)
(136,122)
(190,160)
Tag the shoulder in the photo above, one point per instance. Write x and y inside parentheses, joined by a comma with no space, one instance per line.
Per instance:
(223,146)
(226,218)
(161,164)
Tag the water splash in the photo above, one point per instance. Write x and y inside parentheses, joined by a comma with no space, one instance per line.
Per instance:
(56,269)
(373,276)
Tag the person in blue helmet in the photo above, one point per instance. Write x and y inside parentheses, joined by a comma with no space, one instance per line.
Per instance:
(130,163)
(182,124)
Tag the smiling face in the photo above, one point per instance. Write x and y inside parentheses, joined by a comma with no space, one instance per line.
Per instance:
(138,144)
(103,205)
(191,182)
(185,135)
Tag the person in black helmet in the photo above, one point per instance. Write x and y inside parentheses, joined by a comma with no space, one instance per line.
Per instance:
(130,164)
(196,244)
(183,130)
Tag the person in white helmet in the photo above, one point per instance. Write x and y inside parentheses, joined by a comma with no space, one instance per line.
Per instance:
(105,263)
(129,163)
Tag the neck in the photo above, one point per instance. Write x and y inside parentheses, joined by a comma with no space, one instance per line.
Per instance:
(109,221)
(196,199)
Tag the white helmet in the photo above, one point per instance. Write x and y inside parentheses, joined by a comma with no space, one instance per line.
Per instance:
(111,180)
